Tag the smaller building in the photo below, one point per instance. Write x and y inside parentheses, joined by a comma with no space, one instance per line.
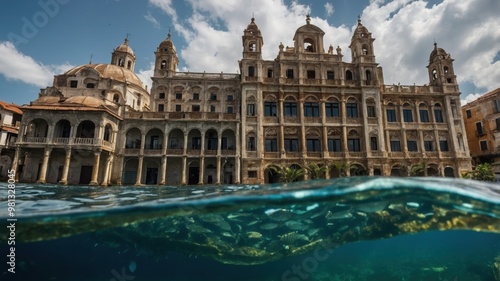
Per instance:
(482,123)
(10,120)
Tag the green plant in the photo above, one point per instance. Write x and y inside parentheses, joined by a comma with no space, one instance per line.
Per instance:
(316,171)
(288,174)
(482,172)
(343,167)
(418,170)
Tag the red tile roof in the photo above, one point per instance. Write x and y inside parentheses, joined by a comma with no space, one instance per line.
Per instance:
(11,107)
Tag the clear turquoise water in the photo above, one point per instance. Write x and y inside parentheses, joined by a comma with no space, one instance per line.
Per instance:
(345,229)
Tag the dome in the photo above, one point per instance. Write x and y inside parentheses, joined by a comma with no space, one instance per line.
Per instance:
(85,101)
(124,47)
(308,28)
(253,28)
(437,53)
(109,71)
(167,44)
(46,100)
(360,31)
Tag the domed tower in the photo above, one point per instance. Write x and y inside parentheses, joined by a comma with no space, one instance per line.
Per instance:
(362,45)
(123,56)
(166,58)
(309,38)
(440,67)
(252,41)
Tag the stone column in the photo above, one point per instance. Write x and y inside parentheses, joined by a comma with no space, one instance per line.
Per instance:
(202,170)
(95,169)
(15,161)
(45,164)
(67,162)
(183,173)
(109,161)
(163,170)
(202,152)
(139,170)
(217,176)
(237,170)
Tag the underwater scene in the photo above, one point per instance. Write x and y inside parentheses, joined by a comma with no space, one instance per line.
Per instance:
(357,228)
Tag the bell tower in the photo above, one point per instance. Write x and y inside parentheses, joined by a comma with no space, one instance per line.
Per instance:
(252,41)
(123,56)
(440,68)
(166,58)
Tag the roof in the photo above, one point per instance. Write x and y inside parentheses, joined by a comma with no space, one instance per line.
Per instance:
(482,98)
(11,107)
(109,71)
(124,47)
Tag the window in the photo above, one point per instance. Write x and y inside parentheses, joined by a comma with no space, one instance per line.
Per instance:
(468,113)
(428,146)
(224,144)
(434,74)
(270,109)
(330,75)
(213,96)
(291,145)
(311,74)
(484,145)
(395,145)
(196,143)
(271,145)
(497,121)
(446,70)
(289,73)
(412,145)
(443,145)
(178,96)
(230,109)
(196,96)
(212,142)
(334,145)
(332,109)
(269,73)
(348,75)
(479,129)
(313,145)
(161,95)
(373,143)
(163,64)
(252,174)
(161,107)
(251,109)
(230,97)
(371,111)
(251,71)
(212,108)
(311,109)
(438,116)
(251,144)
(407,115)
(196,107)
(177,107)
(353,145)
(424,115)
(290,108)
(73,83)
(90,85)
(391,115)
(352,109)
(129,64)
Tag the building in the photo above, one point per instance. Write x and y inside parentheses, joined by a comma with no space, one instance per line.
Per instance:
(482,124)
(98,125)
(10,120)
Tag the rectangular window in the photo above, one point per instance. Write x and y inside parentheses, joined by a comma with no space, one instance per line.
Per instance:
(497,121)
(196,107)
(443,145)
(334,145)
(438,116)
(178,96)
(223,143)
(178,107)
(291,145)
(311,109)
(252,174)
(73,84)
(395,145)
(371,111)
(212,108)
(213,96)
(90,85)
(412,145)
(407,115)
(468,113)
(270,108)
(428,146)
(332,109)
(289,73)
(161,95)
(424,115)
(230,109)
(230,97)
(196,96)
(271,145)
(353,145)
(161,107)
(313,145)
(290,108)
(196,143)
(311,74)
(251,109)
(391,115)
(484,145)
(269,73)
(352,109)
(251,144)
(329,75)
(497,106)
(479,129)
(373,143)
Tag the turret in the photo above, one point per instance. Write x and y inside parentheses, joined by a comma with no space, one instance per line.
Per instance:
(166,58)
(123,56)
(440,67)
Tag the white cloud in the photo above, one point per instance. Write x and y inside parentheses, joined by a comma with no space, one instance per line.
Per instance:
(329,9)
(152,20)
(15,65)
(146,74)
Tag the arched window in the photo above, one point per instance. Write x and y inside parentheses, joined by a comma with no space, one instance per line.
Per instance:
(269,73)
(120,62)
(251,144)
(129,64)
(252,47)
(365,50)
(163,64)
(116,98)
(348,75)
(446,70)
(434,74)
(309,45)
(251,71)
(368,74)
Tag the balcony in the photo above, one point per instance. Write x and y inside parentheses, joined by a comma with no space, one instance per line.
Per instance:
(336,154)
(194,152)
(357,154)
(152,151)
(175,151)
(314,154)
(228,152)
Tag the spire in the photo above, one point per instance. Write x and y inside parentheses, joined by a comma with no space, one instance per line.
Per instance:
(308,19)
(359,20)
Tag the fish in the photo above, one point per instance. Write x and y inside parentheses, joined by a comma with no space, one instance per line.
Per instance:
(132,266)
(296,225)
(254,235)
(269,226)
(338,215)
(292,237)
(281,215)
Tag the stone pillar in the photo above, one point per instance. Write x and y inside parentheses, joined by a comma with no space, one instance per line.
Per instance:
(163,173)
(185,144)
(15,161)
(202,170)
(202,152)
(217,176)
(237,170)
(139,170)
(109,161)
(45,164)
(95,169)
(67,162)
(183,173)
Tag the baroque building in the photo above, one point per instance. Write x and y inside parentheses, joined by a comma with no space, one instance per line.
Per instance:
(10,120)
(99,125)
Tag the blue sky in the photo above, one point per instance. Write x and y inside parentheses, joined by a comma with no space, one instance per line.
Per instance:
(39,39)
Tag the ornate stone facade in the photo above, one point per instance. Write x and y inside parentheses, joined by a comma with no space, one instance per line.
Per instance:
(305,106)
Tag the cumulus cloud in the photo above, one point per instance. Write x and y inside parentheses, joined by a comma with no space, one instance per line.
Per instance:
(15,65)
(152,20)
(146,74)
(329,9)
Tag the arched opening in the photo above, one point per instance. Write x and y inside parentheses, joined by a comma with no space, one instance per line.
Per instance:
(163,64)
(194,140)
(271,176)
(398,171)
(449,172)
(228,171)
(434,74)
(86,129)
(129,64)
(130,171)
(37,128)
(251,71)
(194,173)
(133,138)
(357,170)
(309,45)
(116,98)
(269,73)
(368,75)
(446,70)
(348,75)
(365,50)
(252,47)
(121,62)
(432,170)
(176,140)
(152,167)
(377,172)
(211,140)
(107,133)
(154,139)
(62,129)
